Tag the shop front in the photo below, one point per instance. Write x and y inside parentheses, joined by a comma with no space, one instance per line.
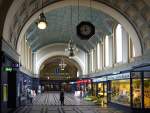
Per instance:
(140,90)
(100,88)
(128,89)
(120,88)
(131,89)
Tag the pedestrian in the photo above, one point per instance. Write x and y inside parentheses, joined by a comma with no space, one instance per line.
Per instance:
(62,97)
(31,96)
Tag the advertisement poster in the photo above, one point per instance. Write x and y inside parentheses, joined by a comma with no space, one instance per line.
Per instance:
(5,92)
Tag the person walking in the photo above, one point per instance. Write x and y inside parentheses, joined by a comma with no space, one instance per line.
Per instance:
(31,96)
(62,97)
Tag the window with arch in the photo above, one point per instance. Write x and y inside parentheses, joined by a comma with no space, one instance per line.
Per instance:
(118,42)
(98,56)
(92,60)
(107,52)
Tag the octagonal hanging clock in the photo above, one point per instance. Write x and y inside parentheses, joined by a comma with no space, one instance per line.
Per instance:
(85,30)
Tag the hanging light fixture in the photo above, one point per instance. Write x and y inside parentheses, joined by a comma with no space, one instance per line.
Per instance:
(42,23)
(62,64)
(71,46)
(71,49)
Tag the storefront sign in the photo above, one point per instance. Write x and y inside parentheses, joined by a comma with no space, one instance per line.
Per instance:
(84,81)
(100,79)
(119,76)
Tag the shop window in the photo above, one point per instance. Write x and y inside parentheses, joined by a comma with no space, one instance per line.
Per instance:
(147,89)
(120,92)
(94,89)
(118,40)
(136,89)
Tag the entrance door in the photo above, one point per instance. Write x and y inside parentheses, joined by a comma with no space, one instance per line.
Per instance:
(136,90)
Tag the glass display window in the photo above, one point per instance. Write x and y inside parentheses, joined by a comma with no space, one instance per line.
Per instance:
(120,92)
(136,90)
(102,89)
(147,89)
(94,89)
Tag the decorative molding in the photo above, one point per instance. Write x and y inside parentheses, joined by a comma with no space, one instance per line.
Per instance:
(10,51)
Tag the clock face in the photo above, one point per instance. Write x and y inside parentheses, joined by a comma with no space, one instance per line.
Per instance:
(85,30)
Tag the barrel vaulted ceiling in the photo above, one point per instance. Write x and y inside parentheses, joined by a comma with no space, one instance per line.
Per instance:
(137,12)
(59,27)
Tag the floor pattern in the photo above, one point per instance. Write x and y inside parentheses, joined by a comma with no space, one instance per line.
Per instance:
(49,103)
(53,99)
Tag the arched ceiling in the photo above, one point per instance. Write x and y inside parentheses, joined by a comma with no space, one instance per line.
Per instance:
(59,27)
(18,12)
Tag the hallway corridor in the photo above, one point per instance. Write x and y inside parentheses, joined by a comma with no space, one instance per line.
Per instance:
(96,51)
(49,103)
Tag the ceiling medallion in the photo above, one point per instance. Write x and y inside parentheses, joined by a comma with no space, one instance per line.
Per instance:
(85,30)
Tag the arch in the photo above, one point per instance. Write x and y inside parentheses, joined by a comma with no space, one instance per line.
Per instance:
(48,51)
(77,63)
(97,5)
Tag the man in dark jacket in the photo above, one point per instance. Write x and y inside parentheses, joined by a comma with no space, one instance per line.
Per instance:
(62,97)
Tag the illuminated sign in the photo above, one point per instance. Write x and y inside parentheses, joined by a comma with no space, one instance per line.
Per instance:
(8,69)
(15,65)
(119,76)
(112,77)
(99,79)
(84,81)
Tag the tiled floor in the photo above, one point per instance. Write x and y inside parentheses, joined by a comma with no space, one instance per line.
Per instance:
(53,99)
(49,103)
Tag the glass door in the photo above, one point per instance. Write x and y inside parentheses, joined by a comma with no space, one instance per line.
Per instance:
(136,90)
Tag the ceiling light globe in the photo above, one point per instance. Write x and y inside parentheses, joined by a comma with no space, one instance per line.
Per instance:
(42,25)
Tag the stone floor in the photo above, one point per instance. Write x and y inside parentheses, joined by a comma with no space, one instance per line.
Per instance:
(49,103)
(52,98)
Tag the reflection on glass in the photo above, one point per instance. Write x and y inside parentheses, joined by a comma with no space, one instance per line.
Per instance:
(121,92)
(94,89)
(136,85)
(102,93)
(102,89)
(147,92)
